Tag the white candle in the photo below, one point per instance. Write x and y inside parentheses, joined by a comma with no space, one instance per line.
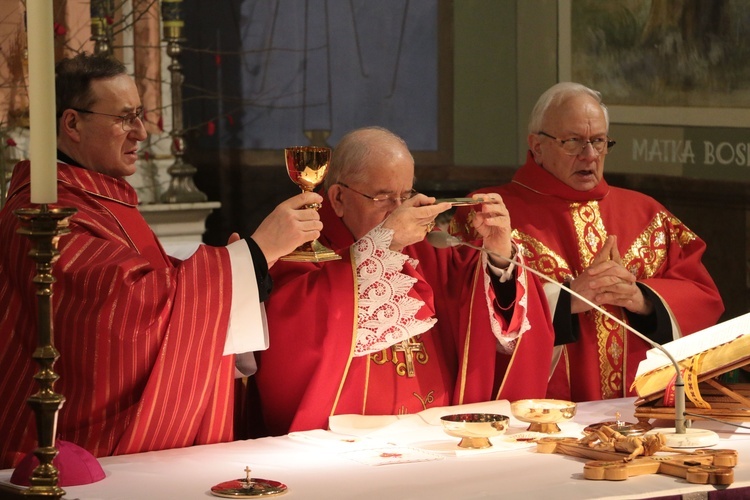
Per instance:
(43,140)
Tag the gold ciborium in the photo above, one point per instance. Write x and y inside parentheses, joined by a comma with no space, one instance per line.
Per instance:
(474,429)
(307,167)
(543,415)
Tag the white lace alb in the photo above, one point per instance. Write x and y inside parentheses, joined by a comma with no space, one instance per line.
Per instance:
(387,315)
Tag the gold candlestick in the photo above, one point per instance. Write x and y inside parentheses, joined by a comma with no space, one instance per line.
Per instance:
(102,12)
(44,226)
(182,188)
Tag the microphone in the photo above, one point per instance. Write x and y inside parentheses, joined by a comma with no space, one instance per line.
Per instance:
(680,438)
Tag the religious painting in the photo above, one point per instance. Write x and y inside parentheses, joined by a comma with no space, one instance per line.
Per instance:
(657,61)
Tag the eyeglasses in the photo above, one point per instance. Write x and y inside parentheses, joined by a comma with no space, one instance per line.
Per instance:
(386,199)
(127,120)
(574,147)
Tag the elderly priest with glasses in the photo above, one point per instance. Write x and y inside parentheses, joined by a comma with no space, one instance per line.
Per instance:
(397,326)
(618,248)
(147,341)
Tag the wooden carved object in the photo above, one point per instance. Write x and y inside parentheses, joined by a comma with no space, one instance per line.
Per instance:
(616,458)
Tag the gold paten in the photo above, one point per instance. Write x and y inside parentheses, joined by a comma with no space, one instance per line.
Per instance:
(250,487)
(460,202)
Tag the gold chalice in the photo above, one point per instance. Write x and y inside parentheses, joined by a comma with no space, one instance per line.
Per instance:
(307,167)
(474,429)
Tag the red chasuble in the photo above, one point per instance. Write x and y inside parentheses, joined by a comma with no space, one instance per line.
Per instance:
(140,335)
(561,230)
(310,371)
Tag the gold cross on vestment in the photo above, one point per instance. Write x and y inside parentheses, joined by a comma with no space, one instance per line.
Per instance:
(408,347)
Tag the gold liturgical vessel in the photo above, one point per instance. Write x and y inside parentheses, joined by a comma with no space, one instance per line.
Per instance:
(307,167)
(474,429)
(249,487)
(543,415)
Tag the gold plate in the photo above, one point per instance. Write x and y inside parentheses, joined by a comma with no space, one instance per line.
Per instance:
(238,488)
(459,202)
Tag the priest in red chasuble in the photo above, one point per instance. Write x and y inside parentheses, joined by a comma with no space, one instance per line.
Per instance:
(396,325)
(147,342)
(618,248)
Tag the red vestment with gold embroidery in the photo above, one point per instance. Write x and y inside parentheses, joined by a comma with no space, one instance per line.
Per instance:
(562,229)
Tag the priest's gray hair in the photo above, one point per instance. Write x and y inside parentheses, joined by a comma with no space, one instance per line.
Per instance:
(360,149)
(558,94)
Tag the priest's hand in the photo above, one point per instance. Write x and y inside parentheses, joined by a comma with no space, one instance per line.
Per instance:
(413,219)
(288,226)
(492,223)
(607,281)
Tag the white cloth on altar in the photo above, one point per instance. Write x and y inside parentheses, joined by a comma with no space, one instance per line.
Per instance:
(424,430)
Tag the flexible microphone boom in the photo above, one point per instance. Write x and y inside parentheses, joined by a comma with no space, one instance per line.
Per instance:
(680,438)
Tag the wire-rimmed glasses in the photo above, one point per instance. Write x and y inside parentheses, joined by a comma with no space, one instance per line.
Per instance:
(127,120)
(574,147)
(386,199)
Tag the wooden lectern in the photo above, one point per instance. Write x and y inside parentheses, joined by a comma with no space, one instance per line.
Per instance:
(703,357)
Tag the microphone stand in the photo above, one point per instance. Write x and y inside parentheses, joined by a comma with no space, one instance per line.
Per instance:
(679,437)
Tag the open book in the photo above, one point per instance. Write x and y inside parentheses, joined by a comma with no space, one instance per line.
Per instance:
(706,353)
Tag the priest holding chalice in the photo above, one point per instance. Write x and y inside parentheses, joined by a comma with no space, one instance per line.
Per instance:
(149,345)
(394,325)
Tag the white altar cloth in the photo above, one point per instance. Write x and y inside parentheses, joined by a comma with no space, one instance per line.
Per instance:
(324,465)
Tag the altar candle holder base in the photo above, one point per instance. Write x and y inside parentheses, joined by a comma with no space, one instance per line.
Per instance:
(44,226)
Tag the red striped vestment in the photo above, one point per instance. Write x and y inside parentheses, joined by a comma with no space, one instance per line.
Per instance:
(140,334)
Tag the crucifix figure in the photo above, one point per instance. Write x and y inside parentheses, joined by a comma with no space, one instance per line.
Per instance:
(248,482)
(409,347)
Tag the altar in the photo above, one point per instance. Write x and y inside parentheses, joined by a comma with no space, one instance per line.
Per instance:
(424,464)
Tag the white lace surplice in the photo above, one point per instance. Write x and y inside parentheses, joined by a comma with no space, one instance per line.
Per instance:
(387,315)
